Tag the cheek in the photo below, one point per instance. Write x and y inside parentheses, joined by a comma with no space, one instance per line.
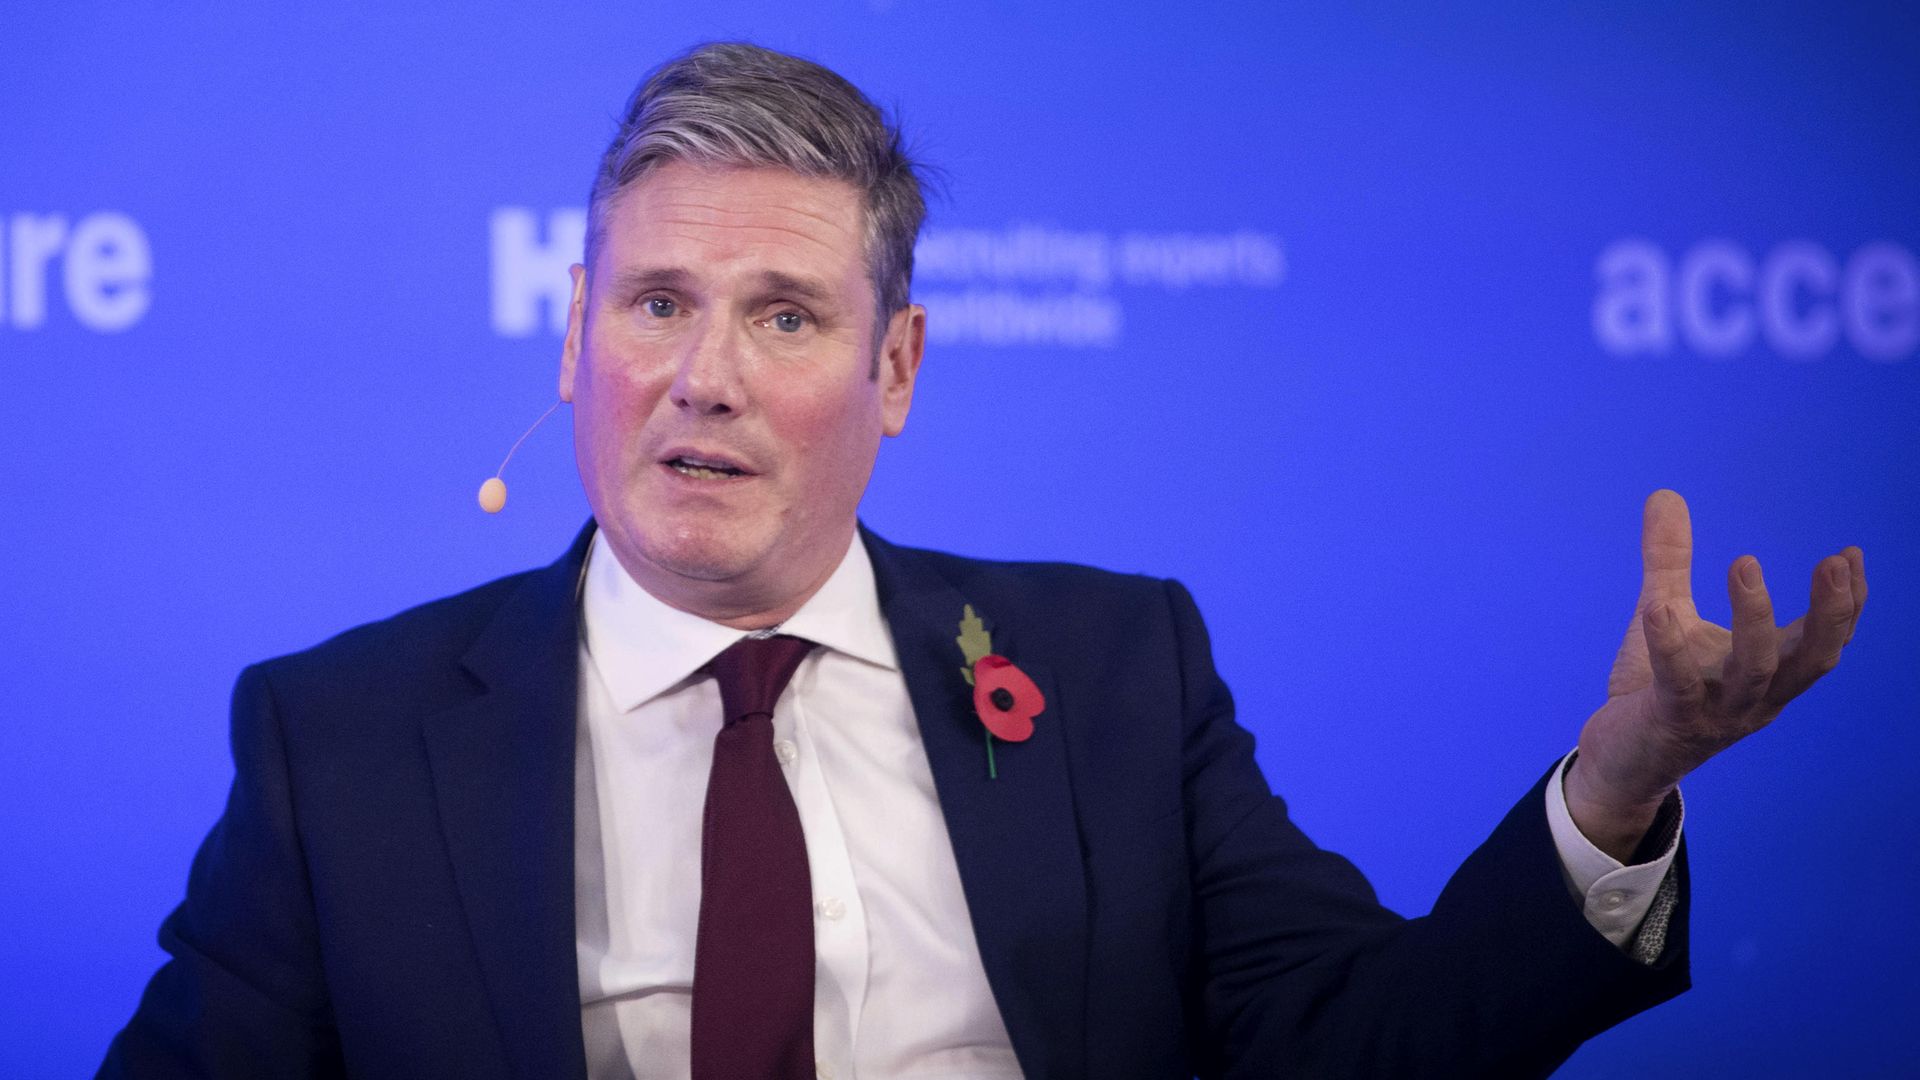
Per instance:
(613,399)
(835,435)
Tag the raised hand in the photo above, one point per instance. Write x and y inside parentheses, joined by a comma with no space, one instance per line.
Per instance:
(1684,689)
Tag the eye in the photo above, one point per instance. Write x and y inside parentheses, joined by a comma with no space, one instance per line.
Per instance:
(789,322)
(662,308)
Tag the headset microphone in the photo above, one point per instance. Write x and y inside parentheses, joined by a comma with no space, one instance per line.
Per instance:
(493,493)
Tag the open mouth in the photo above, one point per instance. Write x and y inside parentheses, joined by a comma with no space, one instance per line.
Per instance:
(704,468)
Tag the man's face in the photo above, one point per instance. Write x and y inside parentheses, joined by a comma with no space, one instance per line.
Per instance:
(720,359)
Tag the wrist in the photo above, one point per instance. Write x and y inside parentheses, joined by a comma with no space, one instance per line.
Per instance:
(1612,821)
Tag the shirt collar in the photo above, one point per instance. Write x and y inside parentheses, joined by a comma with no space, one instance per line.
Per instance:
(643,648)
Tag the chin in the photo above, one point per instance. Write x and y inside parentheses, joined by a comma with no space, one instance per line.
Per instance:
(702,552)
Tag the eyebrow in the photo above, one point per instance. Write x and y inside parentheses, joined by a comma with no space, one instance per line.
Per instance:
(799,287)
(642,279)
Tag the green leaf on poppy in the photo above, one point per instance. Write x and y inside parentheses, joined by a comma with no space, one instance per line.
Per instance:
(974,641)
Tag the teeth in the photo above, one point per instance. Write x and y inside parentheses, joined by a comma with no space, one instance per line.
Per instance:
(698,472)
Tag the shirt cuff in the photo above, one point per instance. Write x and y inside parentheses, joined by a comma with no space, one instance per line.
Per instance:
(1614,897)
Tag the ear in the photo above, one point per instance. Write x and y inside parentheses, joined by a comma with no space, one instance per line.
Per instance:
(576,329)
(899,365)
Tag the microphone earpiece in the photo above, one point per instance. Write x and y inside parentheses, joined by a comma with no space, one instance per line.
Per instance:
(493,493)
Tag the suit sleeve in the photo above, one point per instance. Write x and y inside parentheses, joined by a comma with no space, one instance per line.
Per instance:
(1300,970)
(243,994)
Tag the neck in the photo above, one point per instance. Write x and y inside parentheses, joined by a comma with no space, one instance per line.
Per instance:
(736,603)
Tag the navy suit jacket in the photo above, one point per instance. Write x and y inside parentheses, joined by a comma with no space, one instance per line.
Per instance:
(389,892)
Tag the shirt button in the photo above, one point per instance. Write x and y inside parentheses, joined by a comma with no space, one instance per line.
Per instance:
(823,1070)
(1612,899)
(831,909)
(785,751)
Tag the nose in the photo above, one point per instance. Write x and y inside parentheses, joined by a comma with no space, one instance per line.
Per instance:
(707,380)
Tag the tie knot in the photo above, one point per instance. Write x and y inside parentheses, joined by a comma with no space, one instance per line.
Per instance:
(753,672)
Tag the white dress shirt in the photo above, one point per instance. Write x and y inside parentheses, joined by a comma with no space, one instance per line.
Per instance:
(1614,897)
(900,990)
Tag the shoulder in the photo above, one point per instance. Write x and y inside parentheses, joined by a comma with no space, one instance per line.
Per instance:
(436,628)
(417,655)
(1077,606)
(415,646)
(1027,582)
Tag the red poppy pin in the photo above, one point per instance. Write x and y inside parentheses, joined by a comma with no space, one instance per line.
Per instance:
(1003,696)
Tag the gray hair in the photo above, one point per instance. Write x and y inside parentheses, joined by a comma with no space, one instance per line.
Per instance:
(733,104)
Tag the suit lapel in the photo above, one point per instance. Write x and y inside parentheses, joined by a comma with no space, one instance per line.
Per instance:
(1015,838)
(503,781)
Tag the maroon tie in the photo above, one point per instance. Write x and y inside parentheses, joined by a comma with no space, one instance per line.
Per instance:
(753,959)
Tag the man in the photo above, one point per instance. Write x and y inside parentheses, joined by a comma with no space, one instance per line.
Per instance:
(578,822)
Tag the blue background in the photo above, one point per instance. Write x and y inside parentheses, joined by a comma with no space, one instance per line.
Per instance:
(1404,483)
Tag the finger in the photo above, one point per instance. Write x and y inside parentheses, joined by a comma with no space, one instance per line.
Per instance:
(1856,585)
(1755,650)
(1666,550)
(1814,651)
(1676,674)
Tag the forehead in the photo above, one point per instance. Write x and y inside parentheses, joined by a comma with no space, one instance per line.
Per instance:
(720,222)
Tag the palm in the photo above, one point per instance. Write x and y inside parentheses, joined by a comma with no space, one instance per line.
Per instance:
(1633,669)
